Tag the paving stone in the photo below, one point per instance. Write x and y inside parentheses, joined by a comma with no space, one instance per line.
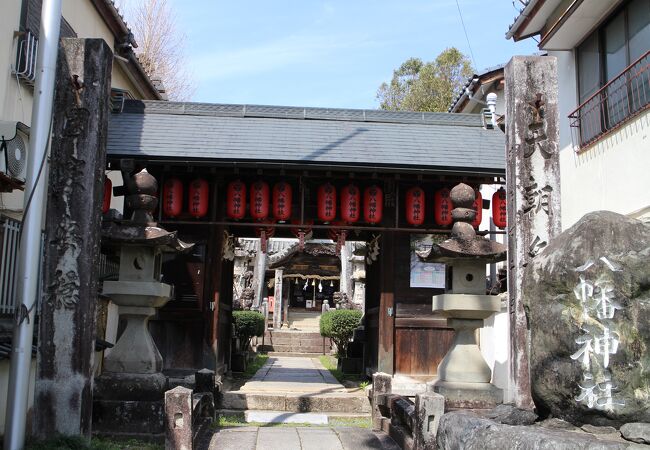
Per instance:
(290,438)
(234,438)
(361,439)
(319,439)
(277,439)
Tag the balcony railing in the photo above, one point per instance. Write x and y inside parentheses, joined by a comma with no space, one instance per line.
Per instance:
(622,98)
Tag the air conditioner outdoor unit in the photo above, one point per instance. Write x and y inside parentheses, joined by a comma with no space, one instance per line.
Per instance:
(14,141)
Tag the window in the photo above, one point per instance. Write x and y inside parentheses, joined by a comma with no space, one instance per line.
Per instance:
(613,79)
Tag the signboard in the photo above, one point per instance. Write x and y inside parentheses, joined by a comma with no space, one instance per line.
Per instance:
(425,274)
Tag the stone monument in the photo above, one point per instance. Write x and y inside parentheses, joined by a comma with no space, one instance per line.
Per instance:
(463,375)
(130,392)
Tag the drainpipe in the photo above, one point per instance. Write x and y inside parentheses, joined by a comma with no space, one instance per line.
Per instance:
(30,240)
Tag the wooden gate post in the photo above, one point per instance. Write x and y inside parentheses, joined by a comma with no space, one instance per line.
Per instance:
(386,351)
(63,397)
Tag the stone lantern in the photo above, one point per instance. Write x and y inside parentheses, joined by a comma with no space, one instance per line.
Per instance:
(463,375)
(132,372)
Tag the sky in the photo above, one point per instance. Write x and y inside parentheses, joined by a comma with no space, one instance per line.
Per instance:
(330,53)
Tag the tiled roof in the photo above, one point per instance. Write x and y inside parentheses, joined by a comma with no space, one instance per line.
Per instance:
(306,136)
(469,82)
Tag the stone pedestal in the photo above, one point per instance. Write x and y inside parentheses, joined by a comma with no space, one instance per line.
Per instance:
(463,375)
(135,351)
(464,361)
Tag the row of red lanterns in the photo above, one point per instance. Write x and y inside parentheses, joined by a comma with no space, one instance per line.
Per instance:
(415,202)
(280,199)
(351,205)
(198,197)
(260,194)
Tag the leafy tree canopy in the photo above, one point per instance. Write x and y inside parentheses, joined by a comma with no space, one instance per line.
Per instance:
(426,86)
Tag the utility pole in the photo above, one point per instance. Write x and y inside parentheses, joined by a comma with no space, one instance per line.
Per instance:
(30,239)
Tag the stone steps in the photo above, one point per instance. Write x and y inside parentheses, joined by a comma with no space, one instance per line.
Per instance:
(294,342)
(295,402)
(243,414)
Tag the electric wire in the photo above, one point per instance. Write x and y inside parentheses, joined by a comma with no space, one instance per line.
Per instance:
(466,36)
(24,311)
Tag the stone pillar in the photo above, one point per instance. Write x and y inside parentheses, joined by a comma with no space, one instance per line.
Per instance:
(259,274)
(285,304)
(345,281)
(533,190)
(63,397)
(429,408)
(358,275)
(382,385)
(265,311)
(178,419)
(277,306)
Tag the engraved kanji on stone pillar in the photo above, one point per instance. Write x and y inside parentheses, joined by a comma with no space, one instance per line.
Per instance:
(533,187)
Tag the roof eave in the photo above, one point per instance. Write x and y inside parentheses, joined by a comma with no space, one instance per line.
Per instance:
(138,75)
(523,19)
(324,165)
(115,22)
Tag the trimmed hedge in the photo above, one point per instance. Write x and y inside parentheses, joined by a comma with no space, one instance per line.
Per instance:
(246,325)
(339,325)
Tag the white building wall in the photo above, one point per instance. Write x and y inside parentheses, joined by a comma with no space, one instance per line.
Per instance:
(611,174)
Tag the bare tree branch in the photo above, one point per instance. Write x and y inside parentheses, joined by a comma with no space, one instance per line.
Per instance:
(161,46)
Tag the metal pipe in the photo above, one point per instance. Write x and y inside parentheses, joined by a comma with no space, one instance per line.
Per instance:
(30,242)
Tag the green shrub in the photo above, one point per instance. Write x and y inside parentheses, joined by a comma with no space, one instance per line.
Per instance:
(339,325)
(246,325)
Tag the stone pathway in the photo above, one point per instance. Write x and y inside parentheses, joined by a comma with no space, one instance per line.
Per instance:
(299,438)
(294,387)
(291,374)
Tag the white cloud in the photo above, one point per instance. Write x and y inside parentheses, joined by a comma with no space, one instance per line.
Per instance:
(269,56)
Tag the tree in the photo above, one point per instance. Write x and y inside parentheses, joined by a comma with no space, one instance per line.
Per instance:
(431,86)
(161,47)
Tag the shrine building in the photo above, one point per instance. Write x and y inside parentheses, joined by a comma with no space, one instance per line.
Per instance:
(330,204)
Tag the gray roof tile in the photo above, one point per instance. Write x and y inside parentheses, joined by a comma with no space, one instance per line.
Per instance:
(428,141)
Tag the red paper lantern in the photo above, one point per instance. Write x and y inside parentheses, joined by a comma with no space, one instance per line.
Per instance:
(477,206)
(236,200)
(199,194)
(415,206)
(260,200)
(108,187)
(373,204)
(350,203)
(282,197)
(326,199)
(499,212)
(442,207)
(172,197)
